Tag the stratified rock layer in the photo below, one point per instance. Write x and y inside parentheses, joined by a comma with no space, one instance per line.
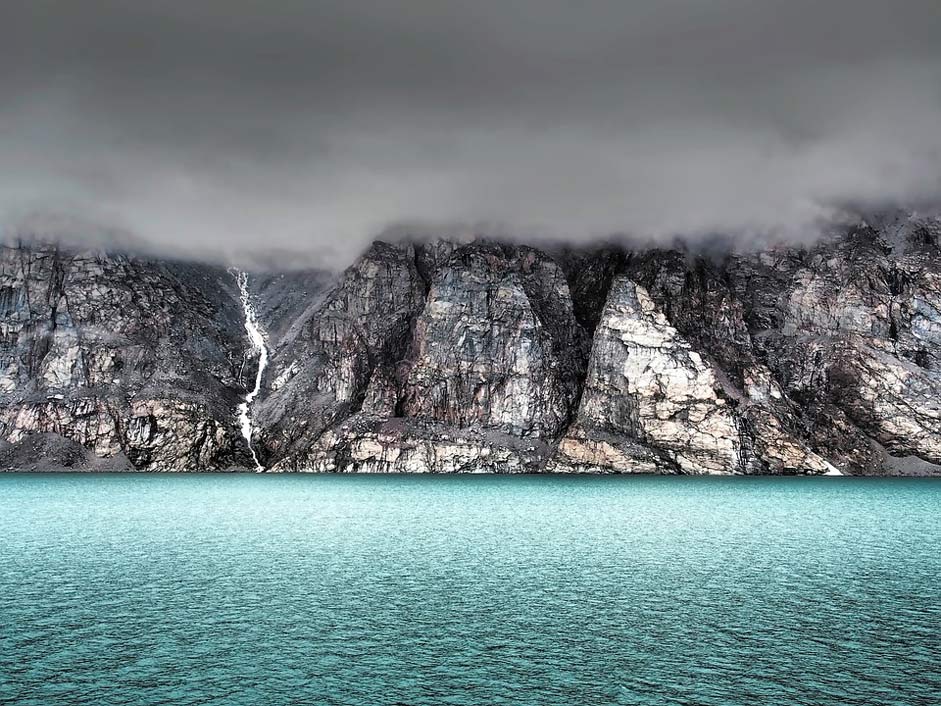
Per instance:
(487,357)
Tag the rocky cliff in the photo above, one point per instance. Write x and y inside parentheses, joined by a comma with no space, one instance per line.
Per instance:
(485,356)
(135,360)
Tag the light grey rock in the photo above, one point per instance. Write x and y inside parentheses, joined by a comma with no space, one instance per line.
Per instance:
(497,345)
(652,403)
(647,383)
(125,356)
(850,330)
(441,357)
(320,368)
(377,444)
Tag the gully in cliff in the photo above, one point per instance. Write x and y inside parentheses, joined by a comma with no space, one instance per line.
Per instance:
(257,339)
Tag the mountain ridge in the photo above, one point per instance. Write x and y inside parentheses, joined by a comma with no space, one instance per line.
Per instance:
(439,356)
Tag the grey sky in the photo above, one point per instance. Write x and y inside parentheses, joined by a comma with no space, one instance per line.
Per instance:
(223,127)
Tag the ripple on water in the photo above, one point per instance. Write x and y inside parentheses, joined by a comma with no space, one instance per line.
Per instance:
(131,589)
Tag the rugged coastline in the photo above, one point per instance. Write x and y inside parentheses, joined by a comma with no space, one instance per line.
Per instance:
(483,356)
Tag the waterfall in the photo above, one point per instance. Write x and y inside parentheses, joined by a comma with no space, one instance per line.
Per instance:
(257,339)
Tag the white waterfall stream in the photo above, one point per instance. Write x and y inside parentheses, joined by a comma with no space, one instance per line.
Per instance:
(257,339)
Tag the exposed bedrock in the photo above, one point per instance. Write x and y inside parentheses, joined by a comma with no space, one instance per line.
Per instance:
(122,355)
(486,356)
(496,345)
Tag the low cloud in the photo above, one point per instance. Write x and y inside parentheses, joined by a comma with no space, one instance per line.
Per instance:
(228,130)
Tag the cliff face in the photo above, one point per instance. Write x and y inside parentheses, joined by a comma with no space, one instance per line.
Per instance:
(136,361)
(442,357)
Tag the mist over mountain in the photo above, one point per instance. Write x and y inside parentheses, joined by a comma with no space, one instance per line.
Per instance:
(226,130)
(470,356)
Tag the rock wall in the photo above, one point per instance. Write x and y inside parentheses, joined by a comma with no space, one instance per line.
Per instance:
(128,357)
(339,354)
(485,356)
(496,345)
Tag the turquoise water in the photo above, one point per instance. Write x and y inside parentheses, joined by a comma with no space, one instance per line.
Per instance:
(206,589)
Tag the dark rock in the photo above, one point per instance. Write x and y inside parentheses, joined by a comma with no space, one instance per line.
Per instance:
(484,356)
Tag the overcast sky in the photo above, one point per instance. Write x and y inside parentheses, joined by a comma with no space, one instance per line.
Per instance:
(228,126)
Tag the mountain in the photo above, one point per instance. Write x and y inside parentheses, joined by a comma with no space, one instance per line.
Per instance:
(485,356)
(134,359)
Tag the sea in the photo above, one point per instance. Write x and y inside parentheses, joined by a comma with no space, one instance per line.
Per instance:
(185,589)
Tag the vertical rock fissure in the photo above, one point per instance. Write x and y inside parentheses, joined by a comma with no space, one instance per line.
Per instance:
(589,324)
(258,345)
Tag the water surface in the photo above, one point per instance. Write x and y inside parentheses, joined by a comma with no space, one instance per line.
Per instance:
(206,589)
